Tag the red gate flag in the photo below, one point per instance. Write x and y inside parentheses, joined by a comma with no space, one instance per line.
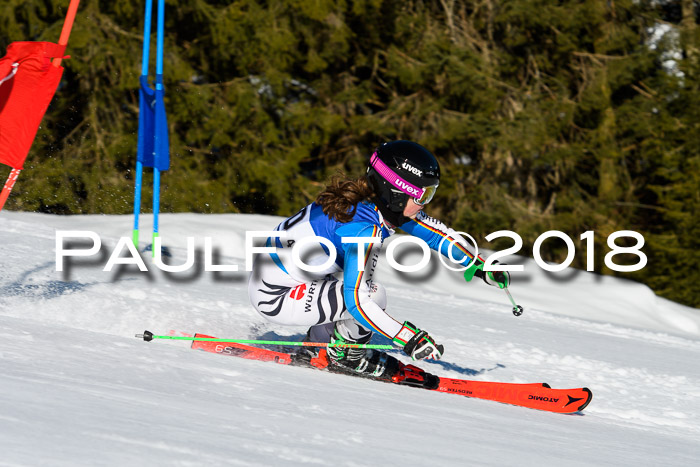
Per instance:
(28,81)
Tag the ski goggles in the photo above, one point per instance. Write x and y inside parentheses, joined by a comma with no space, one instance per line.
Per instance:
(427,196)
(421,196)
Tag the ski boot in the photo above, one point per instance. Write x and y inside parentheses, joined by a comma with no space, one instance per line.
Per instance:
(410,375)
(368,363)
(312,356)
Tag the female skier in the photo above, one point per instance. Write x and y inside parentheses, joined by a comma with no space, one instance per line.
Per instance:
(401,179)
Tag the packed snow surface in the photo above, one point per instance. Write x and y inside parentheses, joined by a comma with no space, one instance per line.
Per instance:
(77,388)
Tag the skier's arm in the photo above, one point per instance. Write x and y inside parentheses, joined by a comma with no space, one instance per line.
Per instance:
(439,237)
(356,282)
(414,342)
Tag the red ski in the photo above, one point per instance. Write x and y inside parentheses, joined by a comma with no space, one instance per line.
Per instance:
(539,396)
(534,396)
(249,352)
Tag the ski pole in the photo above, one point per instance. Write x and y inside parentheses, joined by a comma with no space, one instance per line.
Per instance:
(149,336)
(517,309)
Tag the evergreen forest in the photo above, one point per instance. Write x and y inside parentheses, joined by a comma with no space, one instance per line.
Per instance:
(570,115)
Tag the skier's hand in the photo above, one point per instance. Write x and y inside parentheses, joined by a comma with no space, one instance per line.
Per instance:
(417,344)
(500,279)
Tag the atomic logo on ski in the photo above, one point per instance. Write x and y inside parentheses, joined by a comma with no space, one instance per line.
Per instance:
(572,400)
(545,399)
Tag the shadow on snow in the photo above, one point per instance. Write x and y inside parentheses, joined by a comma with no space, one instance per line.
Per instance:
(446,366)
(46,289)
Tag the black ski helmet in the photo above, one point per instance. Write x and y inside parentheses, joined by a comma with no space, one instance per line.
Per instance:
(399,171)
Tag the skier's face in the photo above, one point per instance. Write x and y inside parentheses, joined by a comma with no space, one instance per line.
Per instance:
(411,209)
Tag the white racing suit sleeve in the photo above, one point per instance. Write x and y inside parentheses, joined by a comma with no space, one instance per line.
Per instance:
(440,238)
(356,283)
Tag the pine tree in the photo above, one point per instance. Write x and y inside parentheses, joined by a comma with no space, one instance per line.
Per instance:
(544,115)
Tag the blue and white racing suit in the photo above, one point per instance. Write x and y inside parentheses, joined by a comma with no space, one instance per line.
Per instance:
(286,294)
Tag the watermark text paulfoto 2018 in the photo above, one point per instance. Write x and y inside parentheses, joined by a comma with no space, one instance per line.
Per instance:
(297,249)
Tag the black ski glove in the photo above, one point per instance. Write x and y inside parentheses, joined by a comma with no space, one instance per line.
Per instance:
(500,279)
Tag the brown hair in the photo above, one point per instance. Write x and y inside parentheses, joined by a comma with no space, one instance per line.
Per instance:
(340,197)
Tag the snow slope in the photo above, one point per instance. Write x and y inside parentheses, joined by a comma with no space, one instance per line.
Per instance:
(76,388)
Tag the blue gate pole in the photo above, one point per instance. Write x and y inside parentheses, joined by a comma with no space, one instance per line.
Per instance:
(139,165)
(156,203)
(137,204)
(159,87)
